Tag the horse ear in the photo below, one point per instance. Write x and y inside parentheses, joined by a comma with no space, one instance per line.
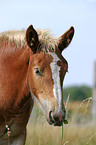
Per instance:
(32,38)
(66,38)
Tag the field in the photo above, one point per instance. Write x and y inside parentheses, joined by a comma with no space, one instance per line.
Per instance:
(79,131)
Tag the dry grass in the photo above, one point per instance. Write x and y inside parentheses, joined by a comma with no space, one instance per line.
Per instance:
(41,133)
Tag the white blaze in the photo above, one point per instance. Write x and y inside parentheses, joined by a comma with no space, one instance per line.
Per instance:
(56,78)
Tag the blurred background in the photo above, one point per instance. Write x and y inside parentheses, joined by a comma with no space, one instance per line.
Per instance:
(79,83)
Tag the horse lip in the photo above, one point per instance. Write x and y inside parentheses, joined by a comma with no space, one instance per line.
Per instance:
(55,124)
(58,124)
(52,122)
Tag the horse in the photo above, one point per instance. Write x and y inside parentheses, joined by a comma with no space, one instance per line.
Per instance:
(31,66)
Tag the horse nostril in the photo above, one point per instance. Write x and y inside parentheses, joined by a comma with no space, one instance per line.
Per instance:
(50,115)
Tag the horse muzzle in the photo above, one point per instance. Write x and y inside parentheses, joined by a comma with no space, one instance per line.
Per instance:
(57,118)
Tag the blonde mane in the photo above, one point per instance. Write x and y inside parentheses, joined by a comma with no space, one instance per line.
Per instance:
(47,40)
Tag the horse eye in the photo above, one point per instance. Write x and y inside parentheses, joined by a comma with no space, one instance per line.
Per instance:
(37,71)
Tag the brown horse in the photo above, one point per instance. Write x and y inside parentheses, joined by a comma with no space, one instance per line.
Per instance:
(31,66)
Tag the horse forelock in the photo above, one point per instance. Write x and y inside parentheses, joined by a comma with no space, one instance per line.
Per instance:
(48,42)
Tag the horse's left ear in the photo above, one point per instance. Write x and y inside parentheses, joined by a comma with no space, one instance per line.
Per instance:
(32,38)
(66,38)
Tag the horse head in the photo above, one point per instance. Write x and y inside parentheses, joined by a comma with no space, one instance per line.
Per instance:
(47,69)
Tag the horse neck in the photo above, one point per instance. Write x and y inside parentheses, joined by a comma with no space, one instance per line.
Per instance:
(13,74)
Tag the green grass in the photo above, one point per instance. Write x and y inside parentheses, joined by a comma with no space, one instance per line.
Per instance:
(75,133)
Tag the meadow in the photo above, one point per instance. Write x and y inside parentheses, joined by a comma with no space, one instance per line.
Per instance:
(79,131)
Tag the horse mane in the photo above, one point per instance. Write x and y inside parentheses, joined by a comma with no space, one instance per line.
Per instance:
(47,40)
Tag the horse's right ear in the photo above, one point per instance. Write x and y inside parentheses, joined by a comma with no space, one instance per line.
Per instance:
(32,38)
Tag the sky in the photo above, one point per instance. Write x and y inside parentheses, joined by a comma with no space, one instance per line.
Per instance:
(58,16)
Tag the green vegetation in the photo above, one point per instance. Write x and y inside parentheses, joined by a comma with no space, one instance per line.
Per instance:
(77,93)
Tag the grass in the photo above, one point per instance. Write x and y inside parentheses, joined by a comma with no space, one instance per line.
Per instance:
(49,135)
(75,133)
